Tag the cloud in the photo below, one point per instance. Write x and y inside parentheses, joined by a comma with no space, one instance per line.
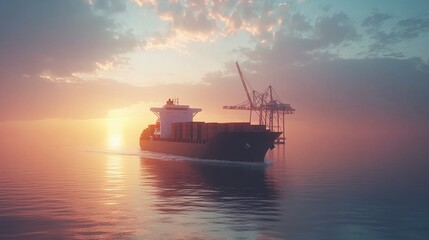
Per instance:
(381,94)
(302,65)
(206,20)
(376,20)
(29,98)
(110,6)
(297,24)
(412,27)
(329,86)
(186,22)
(385,37)
(300,41)
(44,43)
(302,60)
(334,29)
(61,37)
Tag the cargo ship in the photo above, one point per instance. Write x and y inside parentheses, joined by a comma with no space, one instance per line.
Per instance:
(176,133)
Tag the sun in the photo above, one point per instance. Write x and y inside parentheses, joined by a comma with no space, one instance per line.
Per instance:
(115,141)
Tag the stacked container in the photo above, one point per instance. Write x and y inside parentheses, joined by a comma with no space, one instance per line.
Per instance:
(201,131)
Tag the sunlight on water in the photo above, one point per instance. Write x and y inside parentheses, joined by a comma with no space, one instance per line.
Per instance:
(119,192)
(114,179)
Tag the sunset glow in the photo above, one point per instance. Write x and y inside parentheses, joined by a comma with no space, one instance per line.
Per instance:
(146,51)
(115,126)
(82,155)
(115,141)
(346,68)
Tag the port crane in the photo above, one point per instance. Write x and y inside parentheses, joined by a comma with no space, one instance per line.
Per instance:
(268,106)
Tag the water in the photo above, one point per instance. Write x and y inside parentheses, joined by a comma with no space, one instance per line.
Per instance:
(93,193)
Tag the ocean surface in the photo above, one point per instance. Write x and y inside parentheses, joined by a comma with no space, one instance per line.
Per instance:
(303,191)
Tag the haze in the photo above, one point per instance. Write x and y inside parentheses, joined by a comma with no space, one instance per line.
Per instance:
(86,72)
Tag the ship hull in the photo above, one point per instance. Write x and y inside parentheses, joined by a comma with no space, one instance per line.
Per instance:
(230,146)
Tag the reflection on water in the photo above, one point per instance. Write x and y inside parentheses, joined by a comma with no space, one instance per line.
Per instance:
(222,196)
(68,193)
(114,179)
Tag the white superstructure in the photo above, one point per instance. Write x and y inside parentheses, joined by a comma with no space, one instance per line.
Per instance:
(172,112)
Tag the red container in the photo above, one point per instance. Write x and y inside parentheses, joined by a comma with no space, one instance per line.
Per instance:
(176,130)
(204,132)
(196,130)
(236,127)
(186,130)
(212,129)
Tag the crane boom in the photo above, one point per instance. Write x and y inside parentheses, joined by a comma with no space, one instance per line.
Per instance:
(267,105)
(244,85)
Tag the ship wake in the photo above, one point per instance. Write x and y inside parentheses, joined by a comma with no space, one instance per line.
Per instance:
(171,157)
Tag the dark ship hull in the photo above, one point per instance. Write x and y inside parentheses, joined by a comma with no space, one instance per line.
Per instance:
(230,146)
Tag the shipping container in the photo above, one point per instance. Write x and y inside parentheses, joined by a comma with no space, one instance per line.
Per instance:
(236,126)
(259,128)
(204,132)
(212,129)
(187,130)
(196,130)
(201,131)
(176,130)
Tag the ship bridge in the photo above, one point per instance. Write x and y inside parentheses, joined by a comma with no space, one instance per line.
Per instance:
(173,112)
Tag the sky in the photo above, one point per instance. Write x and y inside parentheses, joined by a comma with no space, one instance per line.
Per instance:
(360,64)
